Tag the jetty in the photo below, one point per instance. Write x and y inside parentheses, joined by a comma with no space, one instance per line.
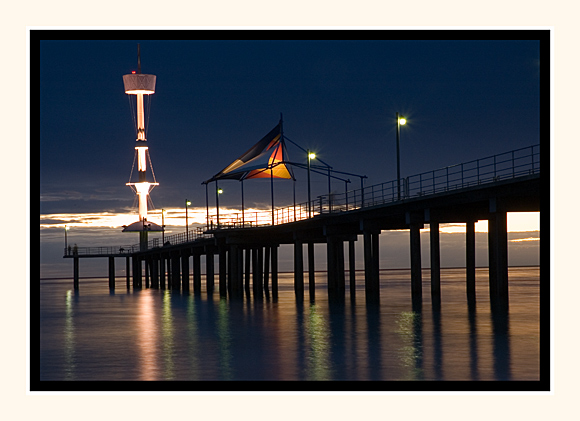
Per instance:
(247,246)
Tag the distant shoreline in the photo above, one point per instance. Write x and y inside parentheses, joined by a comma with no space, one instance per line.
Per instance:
(316,271)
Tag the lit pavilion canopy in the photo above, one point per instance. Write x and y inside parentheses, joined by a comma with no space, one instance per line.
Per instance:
(266,159)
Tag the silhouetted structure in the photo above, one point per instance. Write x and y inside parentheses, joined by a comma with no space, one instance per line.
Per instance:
(481,190)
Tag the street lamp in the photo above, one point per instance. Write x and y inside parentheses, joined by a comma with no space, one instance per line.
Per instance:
(66,228)
(187,203)
(163,212)
(311,155)
(218,191)
(401,121)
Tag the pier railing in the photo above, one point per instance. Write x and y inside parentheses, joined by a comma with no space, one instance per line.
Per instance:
(101,251)
(513,164)
(184,237)
(496,168)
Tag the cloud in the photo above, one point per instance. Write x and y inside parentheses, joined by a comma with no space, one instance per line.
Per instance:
(61,196)
(519,240)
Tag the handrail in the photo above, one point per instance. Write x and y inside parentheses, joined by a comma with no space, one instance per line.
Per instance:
(134,248)
(513,164)
(109,250)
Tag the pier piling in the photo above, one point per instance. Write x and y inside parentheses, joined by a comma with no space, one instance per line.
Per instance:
(352,268)
(470,260)
(111,273)
(498,268)
(267,270)
(76,272)
(185,270)
(209,271)
(416,279)
(128,271)
(371,259)
(175,271)
(311,268)
(274,257)
(298,270)
(223,288)
(435,255)
(196,272)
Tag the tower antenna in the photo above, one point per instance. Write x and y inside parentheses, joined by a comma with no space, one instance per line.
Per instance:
(139,58)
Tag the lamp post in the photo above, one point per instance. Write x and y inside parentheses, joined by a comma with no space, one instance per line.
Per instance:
(311,155)
(163,211)
(401,121)
(66,228)
(187,203)
(218,191)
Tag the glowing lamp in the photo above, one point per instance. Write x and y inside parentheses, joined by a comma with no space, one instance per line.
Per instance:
(311,155)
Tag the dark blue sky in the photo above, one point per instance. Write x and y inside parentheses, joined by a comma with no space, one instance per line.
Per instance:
(464,99)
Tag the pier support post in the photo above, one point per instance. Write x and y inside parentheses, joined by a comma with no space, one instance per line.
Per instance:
(247,268)
(223,263)
(137,272)
(335,268)
(254,268)
(371,259)
(76,272)
(146,261)
(298,270)
(185,270)
(209,272)
(229,271)
(111,272)
(128,271)
(311,275)
(168,270)
(340,268)
(470,260)
(274,256)
(416,279)
(498,260)
(162,271)
(235,278)
(175,273)
(331,268)
(154,263)
(258,281)
(435,262)
(352,268)
(196,272)
(267,271)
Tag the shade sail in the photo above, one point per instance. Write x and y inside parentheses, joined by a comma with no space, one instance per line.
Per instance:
(265,159)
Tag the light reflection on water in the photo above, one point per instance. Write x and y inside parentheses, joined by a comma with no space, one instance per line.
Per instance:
(162,335)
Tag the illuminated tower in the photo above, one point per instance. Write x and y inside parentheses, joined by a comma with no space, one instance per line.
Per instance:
(139,85)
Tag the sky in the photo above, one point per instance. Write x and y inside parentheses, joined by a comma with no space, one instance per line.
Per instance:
(465,94)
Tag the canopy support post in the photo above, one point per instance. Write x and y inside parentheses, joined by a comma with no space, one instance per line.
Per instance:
(272,191)
(294,193)
(206,208)
(217,203)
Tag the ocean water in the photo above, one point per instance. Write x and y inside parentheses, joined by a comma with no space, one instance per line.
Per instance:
(203,341)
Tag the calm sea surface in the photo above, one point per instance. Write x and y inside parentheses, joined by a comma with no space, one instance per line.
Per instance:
(150,334)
